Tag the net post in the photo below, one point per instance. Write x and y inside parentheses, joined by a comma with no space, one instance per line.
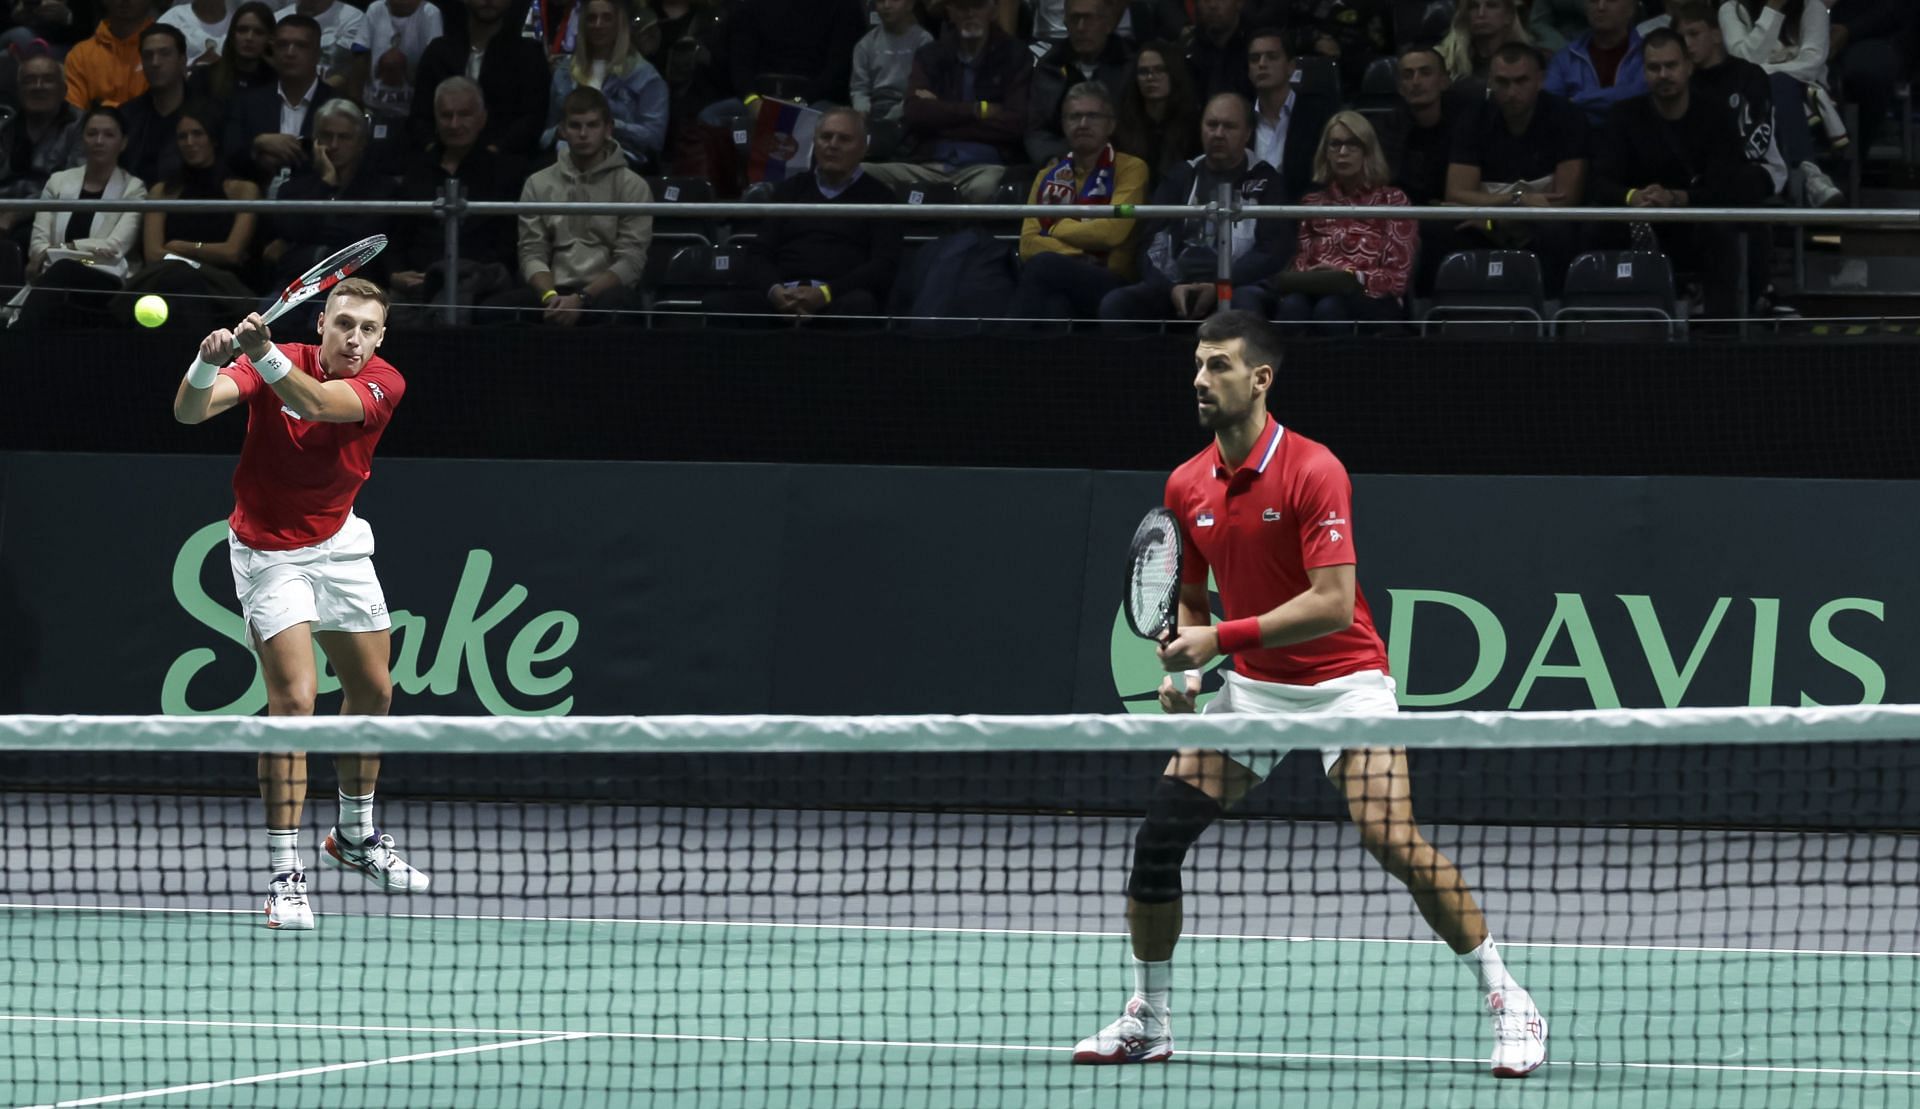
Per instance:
(452,203)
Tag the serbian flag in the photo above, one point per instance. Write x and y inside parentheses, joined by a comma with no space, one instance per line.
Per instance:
(782,142)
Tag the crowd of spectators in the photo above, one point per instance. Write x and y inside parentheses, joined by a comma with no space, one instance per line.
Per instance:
(1075,103)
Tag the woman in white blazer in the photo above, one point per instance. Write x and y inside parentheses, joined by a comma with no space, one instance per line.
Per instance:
(76,260)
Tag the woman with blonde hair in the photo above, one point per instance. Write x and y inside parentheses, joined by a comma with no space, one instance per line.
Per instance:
(1480,27)
(1349,269)
(607,59)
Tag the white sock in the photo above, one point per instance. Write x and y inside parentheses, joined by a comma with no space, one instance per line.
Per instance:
(356,818)
(1486,965)
(283,848)
(1152,982)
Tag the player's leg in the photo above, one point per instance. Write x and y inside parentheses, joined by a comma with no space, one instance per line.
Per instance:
(359,643)
(286,667)
(1195,789)
(1380,800)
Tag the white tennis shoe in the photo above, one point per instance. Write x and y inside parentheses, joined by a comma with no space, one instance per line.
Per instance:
(375,859)
(287,907)
(1519,1033)
(1139,1036)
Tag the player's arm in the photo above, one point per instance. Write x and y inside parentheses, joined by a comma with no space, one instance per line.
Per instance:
(327,402)
(206,392)
(1324,607)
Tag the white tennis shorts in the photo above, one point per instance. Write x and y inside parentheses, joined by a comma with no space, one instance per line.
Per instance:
(1358,693)
(330,585)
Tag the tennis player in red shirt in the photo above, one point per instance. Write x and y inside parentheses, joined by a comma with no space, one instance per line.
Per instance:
(303,562)
(1270,511)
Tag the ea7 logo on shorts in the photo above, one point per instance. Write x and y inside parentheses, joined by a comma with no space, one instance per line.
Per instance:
(1271,515)
(379,394)
(1204,520)
(379,609)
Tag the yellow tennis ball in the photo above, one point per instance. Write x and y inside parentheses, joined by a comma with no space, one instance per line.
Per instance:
(150,310)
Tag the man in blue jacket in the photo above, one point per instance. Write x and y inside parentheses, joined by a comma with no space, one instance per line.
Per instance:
(1602,67)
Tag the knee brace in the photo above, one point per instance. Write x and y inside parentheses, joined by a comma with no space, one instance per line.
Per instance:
(1176,816)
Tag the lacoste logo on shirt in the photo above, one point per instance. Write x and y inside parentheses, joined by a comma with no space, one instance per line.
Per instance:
(1271,515)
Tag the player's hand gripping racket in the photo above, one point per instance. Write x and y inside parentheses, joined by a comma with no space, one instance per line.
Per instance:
(331,271)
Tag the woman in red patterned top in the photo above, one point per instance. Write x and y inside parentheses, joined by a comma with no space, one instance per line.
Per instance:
(1349,269)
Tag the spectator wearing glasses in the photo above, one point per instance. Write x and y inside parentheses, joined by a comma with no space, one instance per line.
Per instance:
(1348,270)
(1070,264)
(1092,52)
(45,134)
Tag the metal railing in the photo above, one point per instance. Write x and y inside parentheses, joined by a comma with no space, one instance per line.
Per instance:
(452,206)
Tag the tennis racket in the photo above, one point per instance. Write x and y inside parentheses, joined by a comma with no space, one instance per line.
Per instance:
(331,271)
(1153,576)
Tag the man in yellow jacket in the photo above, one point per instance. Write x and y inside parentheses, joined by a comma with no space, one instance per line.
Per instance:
(1069,264)
(106,67)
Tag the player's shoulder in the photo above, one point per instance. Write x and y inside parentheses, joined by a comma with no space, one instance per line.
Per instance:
(378,371)
(1193,469)
(1303,456)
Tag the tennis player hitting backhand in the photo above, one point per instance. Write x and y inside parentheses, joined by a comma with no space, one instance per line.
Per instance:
(1270,511)
(303,562)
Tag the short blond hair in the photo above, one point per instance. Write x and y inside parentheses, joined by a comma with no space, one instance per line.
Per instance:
(361,289)
(1373,161)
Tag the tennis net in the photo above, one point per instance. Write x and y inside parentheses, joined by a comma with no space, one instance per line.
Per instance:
(1712,907)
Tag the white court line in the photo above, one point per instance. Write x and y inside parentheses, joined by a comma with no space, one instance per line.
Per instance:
(935,930)
(537,1036)
(308,1072)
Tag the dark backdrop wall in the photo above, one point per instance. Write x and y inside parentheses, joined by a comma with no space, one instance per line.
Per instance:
(651,588)
(1779,409)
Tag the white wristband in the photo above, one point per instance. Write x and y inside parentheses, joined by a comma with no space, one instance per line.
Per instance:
(202,375)
(273,365)
(1193,676)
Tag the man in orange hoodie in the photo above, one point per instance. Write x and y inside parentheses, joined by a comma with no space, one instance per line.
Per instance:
(106,67)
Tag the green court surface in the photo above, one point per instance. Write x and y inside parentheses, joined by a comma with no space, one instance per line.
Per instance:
(210,1008)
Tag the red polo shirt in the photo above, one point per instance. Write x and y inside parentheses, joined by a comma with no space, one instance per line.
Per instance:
(297,478)
(1286,510)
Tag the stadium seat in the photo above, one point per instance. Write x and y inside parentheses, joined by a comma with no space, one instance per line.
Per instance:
(931,192)
(689,275)
(669,233)
(1619,294)
(1488,293)
(1379,92)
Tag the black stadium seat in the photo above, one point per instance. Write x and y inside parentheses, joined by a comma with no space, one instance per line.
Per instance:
(1488,293)
(1622,294)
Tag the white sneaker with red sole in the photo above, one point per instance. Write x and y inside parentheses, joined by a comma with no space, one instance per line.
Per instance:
(1139,1036)
(1519,1033)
